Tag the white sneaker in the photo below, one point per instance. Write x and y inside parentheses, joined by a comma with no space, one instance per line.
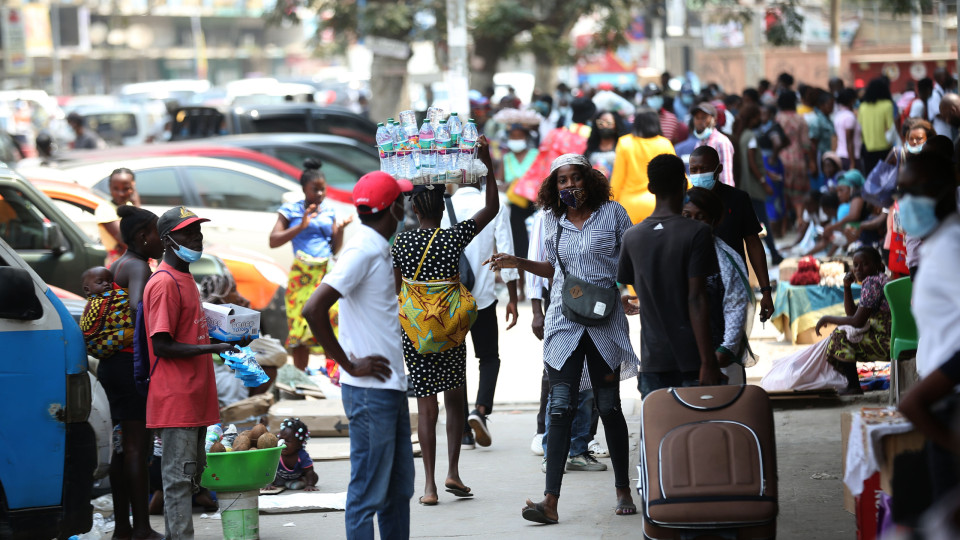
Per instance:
(536,446)
(596,450)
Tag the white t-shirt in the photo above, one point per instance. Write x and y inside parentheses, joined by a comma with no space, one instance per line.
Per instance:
(369,316)
(497,235)
(936,297)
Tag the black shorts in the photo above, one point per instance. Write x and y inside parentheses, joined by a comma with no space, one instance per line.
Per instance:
(116,376)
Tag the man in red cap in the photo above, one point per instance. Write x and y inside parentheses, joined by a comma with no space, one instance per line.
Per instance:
(370,354)
(182,399)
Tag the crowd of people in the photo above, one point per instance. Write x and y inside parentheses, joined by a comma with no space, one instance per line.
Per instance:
(653,204)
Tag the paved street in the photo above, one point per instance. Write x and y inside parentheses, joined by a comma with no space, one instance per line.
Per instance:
(503,475)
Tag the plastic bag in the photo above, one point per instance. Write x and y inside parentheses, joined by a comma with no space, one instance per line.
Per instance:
(270,352)
(804,370)
(880,184)
(229,436)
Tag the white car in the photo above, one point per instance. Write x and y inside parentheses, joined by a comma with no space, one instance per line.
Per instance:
(240,201)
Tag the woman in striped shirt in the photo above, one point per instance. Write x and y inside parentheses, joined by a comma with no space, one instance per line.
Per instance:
(585,229)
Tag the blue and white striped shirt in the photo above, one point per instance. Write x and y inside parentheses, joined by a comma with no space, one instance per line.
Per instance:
(591,254)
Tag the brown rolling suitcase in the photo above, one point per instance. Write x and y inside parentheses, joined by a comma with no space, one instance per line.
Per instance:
(708,464)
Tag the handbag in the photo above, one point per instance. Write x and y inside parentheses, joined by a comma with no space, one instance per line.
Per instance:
(437,314)
(881,183)
(582,302)
(466,271)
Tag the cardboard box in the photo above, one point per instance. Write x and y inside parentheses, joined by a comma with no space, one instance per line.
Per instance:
(323,417)
(230,322)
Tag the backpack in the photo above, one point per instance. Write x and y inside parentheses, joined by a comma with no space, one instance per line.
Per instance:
(905,113)
(142,370)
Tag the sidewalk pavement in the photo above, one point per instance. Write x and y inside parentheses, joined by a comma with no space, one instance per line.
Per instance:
(503,475)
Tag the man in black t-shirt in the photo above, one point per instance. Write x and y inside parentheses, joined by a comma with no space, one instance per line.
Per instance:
(667,259)
(739,223)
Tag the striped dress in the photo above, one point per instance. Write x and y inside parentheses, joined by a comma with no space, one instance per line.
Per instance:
(592,254)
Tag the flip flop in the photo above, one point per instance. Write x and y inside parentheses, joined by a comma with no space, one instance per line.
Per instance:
(428,502)
(535,512)
(459,491)
(626,508)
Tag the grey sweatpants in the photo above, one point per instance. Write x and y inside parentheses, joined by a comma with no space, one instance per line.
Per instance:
(181,468)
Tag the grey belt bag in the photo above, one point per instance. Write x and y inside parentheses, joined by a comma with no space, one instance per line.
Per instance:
(582,302)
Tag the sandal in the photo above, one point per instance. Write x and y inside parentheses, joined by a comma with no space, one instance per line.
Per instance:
(536,513)
(459,491)
(429,502)
(626,508)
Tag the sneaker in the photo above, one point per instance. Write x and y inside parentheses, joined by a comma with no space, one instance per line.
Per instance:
(536,446)
(585,462)
(596,450)
(543,466)
(478,422)
(467,443)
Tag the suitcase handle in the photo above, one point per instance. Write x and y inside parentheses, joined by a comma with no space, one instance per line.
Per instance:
(705,396)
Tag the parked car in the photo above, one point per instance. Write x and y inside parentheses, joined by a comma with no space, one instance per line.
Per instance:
(241,201)
(197,122)
(259,279)
(125,124)
(48,449)
(344,160)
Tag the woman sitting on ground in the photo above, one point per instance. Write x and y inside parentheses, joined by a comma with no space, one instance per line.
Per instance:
(864,334)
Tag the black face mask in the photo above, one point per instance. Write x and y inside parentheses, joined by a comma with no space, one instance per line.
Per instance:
(607,133)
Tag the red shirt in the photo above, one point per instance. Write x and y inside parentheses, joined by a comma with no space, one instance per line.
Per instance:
(672,128)
(183,391)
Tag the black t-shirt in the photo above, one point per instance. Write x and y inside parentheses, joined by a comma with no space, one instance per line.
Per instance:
(739,220)
(658,257)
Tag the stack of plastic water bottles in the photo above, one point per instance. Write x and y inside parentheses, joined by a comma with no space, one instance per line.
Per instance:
(441,151)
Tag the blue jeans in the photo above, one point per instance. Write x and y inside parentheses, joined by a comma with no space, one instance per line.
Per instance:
(579,429)
(648,381)
(381,463)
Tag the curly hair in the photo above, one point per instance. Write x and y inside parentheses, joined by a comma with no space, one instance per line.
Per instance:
(594,183)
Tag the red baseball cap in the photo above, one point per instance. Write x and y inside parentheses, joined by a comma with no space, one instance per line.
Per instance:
(377,190)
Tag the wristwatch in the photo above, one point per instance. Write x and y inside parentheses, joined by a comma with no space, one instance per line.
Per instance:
(766,289)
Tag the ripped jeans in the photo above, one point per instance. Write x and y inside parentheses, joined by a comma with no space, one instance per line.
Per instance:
(564,397)
(182,466)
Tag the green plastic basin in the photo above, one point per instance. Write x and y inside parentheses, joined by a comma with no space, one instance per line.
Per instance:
(241,471)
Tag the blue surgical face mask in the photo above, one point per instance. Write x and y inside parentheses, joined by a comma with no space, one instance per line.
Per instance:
(913,149)
(918,215)
(701,135)
(186,254)
(655,102)
(703,180)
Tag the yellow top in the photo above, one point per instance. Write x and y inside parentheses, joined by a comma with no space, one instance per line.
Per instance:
(875,119)
(629,179)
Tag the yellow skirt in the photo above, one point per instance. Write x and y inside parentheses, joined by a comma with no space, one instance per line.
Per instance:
(303,280)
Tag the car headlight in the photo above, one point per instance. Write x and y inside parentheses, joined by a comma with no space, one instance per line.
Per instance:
(272,272)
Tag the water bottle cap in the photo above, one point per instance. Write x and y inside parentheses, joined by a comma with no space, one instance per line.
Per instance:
(379,124)
(453,114)
(444,121)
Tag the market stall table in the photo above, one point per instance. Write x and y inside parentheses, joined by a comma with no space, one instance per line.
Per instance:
(797,308)
(872,438)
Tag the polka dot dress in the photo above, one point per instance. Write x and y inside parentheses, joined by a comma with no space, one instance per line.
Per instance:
(433,373)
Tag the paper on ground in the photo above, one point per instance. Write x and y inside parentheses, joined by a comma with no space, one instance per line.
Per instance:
(304,501)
